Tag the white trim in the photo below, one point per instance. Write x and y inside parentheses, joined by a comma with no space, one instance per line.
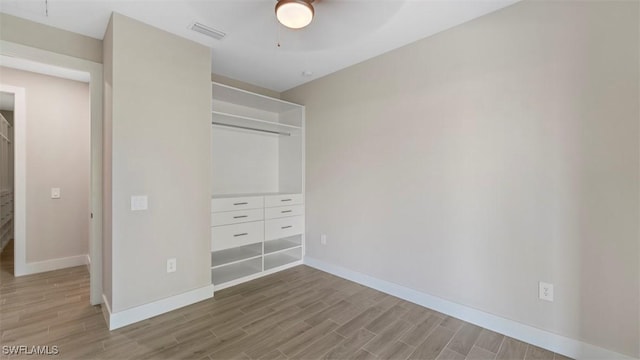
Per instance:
(106,311)
(146,311)
(54,264)
(26,53)
(544,339)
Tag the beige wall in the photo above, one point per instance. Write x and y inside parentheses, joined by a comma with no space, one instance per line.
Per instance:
(160,147)
(475,163)
(58,126)
(29,33)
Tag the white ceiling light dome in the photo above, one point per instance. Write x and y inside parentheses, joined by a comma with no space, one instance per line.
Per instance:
(294,14)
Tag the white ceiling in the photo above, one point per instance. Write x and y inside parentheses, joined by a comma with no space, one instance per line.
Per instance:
(343,32)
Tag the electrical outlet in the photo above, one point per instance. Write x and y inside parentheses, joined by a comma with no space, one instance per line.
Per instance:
(545,291)
(323,239)
(55,193)
(171,265)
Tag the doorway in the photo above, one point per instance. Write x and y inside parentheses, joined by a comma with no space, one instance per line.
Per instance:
(28,56)
(56,141)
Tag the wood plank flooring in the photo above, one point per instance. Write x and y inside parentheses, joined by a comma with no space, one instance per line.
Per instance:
(300,313)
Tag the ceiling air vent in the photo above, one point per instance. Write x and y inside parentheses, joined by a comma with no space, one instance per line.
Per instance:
(205,30)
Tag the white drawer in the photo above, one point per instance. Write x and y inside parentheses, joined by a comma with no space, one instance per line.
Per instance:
(230,236)
(236,203)
(279,228)
(235,217)
(282,200)
(283,211)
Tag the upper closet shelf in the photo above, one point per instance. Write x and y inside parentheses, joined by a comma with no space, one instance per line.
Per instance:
(249,123)
(236,108)
(236,96)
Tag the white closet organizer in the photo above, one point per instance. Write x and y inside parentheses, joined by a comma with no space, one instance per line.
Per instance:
(6,182)
(257,205)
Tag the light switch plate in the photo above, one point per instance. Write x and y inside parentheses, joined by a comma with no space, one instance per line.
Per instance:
(139,203)
(55,193)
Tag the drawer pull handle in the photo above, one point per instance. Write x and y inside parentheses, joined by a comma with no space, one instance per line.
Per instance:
(286,200)
(243,234)
(286,211)
(242,203)
(240,217)
(286,227)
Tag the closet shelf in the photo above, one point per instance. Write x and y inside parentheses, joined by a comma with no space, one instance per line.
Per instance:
(245,98)
(274,246)
(235,255)
(232,263)
(248,123)
(236,271)
(2,119)
(227,196)
(282,258)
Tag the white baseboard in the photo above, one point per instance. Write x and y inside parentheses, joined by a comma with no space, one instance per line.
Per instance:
(53,264)
(146,311)
(562,345)
(106,311)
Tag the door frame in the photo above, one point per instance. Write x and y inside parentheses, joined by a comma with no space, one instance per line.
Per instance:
(94,69)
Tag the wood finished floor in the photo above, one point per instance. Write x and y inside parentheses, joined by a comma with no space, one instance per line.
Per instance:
(300,313)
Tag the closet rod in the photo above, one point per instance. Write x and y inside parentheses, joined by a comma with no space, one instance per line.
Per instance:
(252,129)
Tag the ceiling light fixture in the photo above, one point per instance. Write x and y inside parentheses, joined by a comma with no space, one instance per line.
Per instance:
(294,14)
